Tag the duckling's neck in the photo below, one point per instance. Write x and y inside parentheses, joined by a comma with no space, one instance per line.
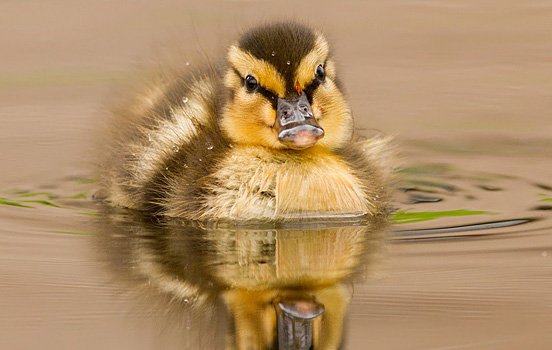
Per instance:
(305,155)
(253,182)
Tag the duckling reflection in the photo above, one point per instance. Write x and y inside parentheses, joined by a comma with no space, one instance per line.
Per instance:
(280,288)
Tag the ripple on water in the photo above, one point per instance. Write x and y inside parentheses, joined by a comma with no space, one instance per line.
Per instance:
(483,255)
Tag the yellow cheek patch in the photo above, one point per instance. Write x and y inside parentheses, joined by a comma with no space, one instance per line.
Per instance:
(265,73)
(254,109)
(305,71)
(248,119)
(334,115)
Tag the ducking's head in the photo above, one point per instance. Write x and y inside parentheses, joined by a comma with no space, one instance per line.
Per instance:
(282,83)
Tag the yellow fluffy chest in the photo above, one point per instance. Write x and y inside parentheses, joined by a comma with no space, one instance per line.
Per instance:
(321,186)
(256,183)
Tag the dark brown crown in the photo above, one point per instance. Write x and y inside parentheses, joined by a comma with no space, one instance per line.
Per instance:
(281,44)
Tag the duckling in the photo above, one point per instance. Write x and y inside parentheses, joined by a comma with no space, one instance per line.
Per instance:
(268,135)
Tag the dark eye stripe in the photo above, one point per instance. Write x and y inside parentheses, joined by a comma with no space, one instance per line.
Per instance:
(269,95)
(313,85)
(311,88)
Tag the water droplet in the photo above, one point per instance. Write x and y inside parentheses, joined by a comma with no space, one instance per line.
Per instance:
(288,63)
(210,146)
(186,301)
(186,166)
(273,54)
(167,168)
(201,160)
(187,63)
(185,99)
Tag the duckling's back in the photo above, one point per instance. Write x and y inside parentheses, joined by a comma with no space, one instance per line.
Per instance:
(169,129)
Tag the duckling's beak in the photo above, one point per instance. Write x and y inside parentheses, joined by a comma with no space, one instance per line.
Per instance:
(295,123)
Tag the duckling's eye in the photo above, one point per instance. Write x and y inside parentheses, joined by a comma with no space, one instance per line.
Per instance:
(320,73)
(251,83)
